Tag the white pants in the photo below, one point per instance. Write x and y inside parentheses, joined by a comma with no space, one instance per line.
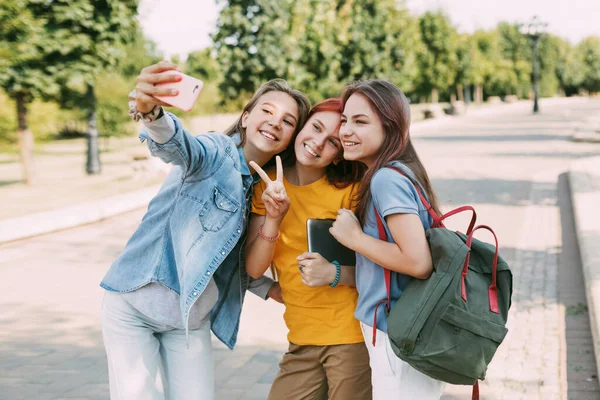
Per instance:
(150,361)
(394,379)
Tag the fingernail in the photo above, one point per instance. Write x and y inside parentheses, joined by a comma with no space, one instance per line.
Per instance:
(173,92)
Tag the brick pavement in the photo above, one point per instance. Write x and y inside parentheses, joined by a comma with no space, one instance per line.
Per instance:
(507,165)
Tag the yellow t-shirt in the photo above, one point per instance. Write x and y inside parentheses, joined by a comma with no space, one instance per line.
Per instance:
(318,316)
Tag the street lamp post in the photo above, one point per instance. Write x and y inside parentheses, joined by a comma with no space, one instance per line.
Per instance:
(93,165)
(534,30)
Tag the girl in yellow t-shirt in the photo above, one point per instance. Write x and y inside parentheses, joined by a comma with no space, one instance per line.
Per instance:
(327,356)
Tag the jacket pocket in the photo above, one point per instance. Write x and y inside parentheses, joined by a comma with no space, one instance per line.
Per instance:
(217,210)
(463,342)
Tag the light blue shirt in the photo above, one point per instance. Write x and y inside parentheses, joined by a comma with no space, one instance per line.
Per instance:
(391,193)
(191,232)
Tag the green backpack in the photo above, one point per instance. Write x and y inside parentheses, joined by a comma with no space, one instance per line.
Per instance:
(449,325)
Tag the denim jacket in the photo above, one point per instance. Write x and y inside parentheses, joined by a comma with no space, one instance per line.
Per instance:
(192,229)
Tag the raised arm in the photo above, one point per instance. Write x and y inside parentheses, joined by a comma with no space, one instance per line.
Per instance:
(164,133)
(263,230)
(408,253)
(259,252)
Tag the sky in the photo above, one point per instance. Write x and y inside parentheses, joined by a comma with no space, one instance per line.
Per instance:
(182,26)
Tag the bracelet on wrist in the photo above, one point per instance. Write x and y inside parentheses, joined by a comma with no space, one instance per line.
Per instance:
(152,115)
(338,273)
(268,238)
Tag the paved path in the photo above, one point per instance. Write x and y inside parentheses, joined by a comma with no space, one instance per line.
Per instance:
(508,164)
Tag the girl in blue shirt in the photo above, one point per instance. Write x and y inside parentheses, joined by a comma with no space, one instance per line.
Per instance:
(181,274)
(375,131)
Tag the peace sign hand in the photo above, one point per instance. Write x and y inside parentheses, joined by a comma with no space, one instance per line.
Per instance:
(274,197)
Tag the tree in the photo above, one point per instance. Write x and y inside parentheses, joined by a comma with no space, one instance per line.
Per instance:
(570,70)
(466,59)
(55,49)
(550,54)
(88,36)
(389,51)
(588,50)
(201,64)
(437,61)
(253,44)
(25,73)
(485,57)
(113,85)
(316,67)
(515,53)
(316,45)
(139,53)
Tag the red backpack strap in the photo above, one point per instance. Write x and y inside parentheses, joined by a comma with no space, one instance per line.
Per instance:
(386,273)
(383,236)
(436,219)
(475,393)
(492,289)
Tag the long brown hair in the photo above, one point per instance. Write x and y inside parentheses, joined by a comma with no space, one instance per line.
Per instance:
(392,107)
(274,85)
(342,173)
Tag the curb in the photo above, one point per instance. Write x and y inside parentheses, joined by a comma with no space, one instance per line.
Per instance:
(584,182)
(588,131)
(588,135)
(68,217)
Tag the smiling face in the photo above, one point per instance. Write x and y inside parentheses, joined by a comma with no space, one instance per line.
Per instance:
(318,143)
(270,125)
(362,133)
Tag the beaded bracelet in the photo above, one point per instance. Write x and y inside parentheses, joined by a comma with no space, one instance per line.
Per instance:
(338,272)
(268,238)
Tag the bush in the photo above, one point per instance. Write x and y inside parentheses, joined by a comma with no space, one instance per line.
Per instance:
(111,105)
(45,120)
(8,121)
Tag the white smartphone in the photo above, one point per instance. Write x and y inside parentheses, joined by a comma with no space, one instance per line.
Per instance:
(189,90)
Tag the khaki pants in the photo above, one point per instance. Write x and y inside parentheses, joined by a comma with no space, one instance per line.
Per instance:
(338,372)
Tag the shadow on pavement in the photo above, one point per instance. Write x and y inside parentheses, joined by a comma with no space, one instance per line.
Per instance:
(49,354)
(546,155)
(491,191)
(497,138)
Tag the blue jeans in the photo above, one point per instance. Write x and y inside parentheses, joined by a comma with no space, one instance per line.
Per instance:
(148,360)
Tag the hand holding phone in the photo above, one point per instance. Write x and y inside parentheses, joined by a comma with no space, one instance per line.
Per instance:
(189,89)
(155,83)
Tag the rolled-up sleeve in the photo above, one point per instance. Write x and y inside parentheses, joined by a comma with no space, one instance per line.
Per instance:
(168,140)
(161,130)
(261,286)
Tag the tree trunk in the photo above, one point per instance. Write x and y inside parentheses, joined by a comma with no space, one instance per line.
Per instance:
(93,154)
(25,140)
(460,92)
(467,94)
(434,95)
(478,94)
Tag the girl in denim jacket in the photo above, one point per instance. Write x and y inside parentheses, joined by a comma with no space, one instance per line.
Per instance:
(181,274)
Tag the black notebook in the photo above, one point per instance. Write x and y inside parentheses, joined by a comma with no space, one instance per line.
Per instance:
(320,241)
